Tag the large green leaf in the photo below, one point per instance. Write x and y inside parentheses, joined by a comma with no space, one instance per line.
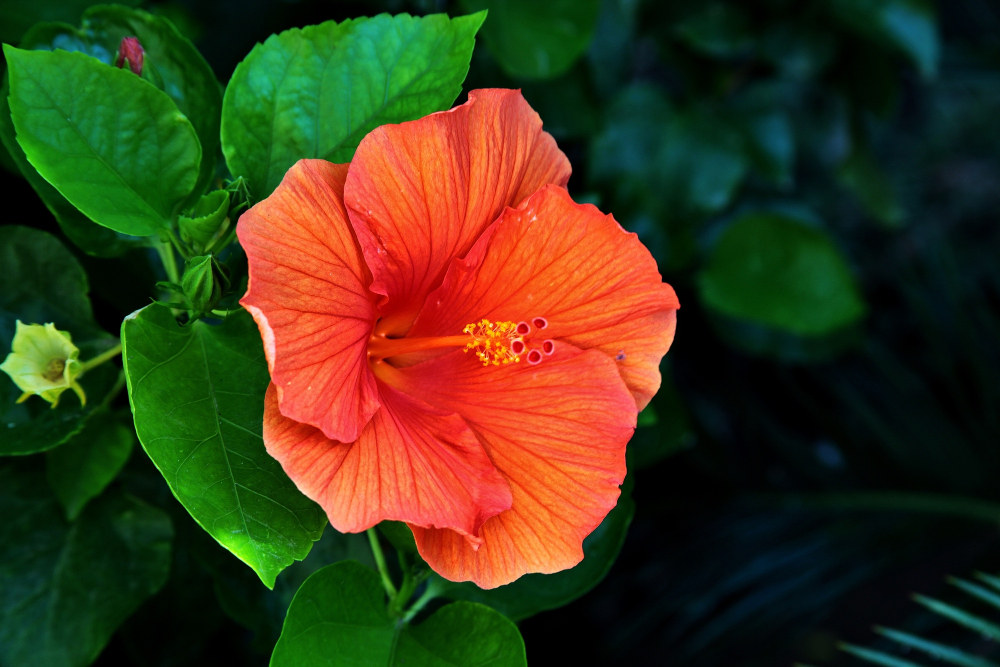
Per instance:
(176,67)
(316,92)
(778,271)
(197,395)
(339,617)
(127,158)
(82,468)
(534,593)
(66,587)
(537,40)
(81,230)
(42,282)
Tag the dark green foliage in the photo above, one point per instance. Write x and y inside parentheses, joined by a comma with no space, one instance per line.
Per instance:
(66,587)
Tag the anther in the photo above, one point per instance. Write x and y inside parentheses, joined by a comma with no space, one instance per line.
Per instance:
(548,346)
(540,322)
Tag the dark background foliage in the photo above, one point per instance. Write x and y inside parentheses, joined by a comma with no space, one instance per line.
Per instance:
(794,489)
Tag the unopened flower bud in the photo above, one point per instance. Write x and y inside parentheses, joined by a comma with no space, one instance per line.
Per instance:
(205,281)
(43,361)
(130,51)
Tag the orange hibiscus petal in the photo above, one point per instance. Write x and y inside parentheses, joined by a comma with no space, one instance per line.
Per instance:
(411,463)
(307,293)
(595,285)
(420,193)
(556,431)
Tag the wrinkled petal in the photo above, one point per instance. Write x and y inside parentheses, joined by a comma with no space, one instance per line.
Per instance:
(411,463)
(556,432)
(595,284)
(420,193)
(307,293)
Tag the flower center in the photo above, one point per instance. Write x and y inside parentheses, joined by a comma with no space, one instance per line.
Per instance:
(54,369)
(494,343)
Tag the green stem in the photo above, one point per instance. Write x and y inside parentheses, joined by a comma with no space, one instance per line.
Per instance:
(177,243)
(101,358)
(928,503)
(380,562)
(166,252)
(433,590)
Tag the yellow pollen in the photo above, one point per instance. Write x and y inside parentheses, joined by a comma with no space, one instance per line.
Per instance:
(492,341)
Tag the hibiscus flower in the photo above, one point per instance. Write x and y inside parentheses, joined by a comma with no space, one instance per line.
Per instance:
(453,342)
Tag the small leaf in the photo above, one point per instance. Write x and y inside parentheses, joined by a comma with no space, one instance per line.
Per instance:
(17,17)
(66,587)
(42,282)
(81,469)
(339,618)
(534,593)
(718,30)
(777,271)
(205,219)
(112,144)
(316,92)
(197,395)
(537,40)
(862,175)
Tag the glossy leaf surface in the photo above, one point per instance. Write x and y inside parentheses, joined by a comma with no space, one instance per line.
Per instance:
(316,92)
(127,158)
(197,395)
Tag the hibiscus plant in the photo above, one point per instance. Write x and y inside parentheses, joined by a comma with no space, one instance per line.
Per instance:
(381,318)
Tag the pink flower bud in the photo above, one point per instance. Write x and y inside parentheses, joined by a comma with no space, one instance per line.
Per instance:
(130,51)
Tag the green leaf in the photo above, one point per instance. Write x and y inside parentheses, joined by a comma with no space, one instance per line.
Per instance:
(112,144)
(537,40)
(42,282)
(66,587)
(81,469)
(316,92)
(205,219)
(197,395)
(671,432)
(17,17)
(534,593)
(775,270)
(907,25)
(400,535)
(175,66)
(339,617)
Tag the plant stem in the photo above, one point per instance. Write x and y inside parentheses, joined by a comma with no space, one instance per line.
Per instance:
(166,252)
(101,358)
(432,591)
(177,243)
(380,562)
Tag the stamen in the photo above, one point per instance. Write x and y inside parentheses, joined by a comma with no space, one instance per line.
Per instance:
(54,369)
(540,322)
(495,342)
